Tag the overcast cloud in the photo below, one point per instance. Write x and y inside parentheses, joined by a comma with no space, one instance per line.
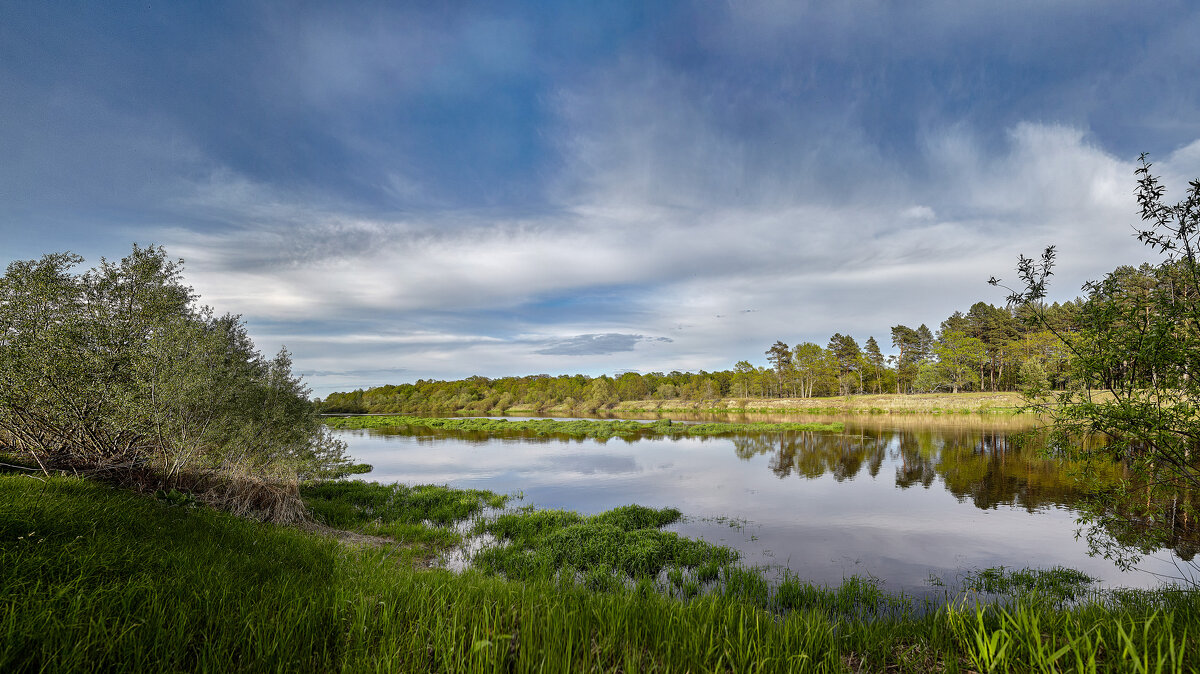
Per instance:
(413,192)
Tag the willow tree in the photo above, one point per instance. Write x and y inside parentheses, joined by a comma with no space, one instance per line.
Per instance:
(119,368)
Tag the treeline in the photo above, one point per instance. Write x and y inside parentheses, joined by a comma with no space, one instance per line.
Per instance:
(988,348)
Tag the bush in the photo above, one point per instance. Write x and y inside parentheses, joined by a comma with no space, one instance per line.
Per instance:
(120,370)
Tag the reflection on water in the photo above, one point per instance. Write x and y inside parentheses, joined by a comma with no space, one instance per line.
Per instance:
(989,468)
(899,501)
(994,422)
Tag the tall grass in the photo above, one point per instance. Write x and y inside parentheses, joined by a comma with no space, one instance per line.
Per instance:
(1030,638)
(96,579)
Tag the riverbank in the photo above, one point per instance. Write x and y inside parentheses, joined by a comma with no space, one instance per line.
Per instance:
(100,579)
(575,428)
(999,403)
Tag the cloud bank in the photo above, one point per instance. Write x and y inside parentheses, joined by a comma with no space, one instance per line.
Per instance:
(404,192)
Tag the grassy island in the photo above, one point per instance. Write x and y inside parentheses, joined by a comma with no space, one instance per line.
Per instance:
(576,428)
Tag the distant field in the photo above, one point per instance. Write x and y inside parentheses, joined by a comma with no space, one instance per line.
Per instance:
(928,403)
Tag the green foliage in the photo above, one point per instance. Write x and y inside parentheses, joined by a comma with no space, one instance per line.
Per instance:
(602,392)
(118,367)
(1134,379)
(849,359)
(816,370)
(1034,382)
(1007,337)
(959,357)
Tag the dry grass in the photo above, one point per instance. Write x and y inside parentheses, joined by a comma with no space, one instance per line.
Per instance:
(264,498)
(1002,402)
(927,403)
(252,497)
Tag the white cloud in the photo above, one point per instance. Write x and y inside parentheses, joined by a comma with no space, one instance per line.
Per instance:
(689,223)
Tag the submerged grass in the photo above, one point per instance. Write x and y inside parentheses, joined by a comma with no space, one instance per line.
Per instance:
(424,515)
(1058,583)
(578,428)
(348,504)
(97,579)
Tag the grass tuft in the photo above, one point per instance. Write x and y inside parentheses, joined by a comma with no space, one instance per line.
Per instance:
(626,543)
(1058,583)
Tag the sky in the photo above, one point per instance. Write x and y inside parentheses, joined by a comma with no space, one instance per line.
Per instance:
(407,190)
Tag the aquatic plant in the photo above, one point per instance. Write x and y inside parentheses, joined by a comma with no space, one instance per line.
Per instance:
(625,542)
(346,504)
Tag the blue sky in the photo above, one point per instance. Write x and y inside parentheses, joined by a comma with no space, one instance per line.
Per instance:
(398,191)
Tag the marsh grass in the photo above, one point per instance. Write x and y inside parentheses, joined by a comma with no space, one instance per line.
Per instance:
(346,504)
(424,515)
(99,579)
(625,544)
(576,428)
(1029,637)
(1058,583)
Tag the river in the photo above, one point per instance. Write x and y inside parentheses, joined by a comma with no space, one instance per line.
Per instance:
(902,499)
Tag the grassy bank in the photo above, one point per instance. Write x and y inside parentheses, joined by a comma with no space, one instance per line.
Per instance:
(579,428)
(919,403)
(98,579)
(998,403)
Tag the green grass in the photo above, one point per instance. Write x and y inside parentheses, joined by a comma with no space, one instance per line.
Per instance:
(423,516)
(96,579)
(347,504)
(580,428)
(609,550)
(1057,583)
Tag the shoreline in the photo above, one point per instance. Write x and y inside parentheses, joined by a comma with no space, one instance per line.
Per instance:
(998,404)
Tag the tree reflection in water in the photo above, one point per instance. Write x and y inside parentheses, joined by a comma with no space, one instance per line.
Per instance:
(991,468)
(988,467)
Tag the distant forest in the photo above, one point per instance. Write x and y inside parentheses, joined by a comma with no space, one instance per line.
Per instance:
(988,348)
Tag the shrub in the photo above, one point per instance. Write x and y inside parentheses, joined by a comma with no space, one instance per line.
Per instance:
(119,370)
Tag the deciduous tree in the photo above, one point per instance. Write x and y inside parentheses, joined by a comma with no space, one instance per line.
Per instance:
(1135,384)
(118,368)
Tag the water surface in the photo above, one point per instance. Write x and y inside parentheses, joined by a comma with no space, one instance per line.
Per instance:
(897,499)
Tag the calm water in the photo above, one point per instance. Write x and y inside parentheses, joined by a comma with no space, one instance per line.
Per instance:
(899,500)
